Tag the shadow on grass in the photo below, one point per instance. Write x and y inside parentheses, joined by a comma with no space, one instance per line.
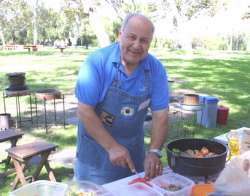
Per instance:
(226,79)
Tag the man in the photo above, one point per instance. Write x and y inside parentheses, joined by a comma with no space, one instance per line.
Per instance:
(115,87)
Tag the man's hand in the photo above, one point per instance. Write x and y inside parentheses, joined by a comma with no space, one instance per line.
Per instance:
(152,166)
(120,156)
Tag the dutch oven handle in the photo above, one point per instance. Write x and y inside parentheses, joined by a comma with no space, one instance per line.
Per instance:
(226,145)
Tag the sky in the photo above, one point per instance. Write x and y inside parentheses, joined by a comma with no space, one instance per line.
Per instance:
(53,3)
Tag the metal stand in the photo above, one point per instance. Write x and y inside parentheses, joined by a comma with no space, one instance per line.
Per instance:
(45,99)
(17,95)
(185,114)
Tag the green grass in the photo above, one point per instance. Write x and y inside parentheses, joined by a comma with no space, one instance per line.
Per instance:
(217,73)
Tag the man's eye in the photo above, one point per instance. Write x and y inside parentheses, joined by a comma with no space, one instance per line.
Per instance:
(131,37)
(144,41)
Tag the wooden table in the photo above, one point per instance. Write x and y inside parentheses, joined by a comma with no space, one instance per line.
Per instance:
(23,153)
(11,135)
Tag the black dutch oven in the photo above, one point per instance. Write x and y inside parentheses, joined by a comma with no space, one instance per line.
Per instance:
(17,81)
(196,166)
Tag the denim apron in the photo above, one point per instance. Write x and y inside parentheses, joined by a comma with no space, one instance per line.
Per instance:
(122,115)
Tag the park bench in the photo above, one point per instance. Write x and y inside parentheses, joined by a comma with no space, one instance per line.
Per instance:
(10,47)
(31,47)
(61,48)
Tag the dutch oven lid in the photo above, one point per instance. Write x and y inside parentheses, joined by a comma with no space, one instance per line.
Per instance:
(14,74)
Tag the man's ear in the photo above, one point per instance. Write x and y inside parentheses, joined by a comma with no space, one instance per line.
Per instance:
(119,35)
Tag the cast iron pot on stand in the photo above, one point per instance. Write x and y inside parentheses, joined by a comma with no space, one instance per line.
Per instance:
(17,81)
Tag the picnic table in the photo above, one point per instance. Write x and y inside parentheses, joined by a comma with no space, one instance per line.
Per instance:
(11,135)
(62,49)
(31,47)
(10,47)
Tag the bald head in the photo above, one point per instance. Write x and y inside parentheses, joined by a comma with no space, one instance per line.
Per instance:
(137,16)
(135,37)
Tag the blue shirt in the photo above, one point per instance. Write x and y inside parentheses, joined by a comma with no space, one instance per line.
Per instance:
(97,73)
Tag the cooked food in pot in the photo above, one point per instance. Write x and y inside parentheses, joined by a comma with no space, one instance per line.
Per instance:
(202,153)
(188,165)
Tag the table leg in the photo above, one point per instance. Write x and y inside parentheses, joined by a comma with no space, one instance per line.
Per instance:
(44,158)
(17,113)
(54,101)
(16,180)
(64,123)
(31,112)
(19,174)
(19,110)
(13,144)
(45,115)
(50,171)
(4,104)
(36,111)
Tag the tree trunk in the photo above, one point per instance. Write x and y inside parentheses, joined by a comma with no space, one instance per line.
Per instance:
(98,29)
(180,22)
(2,37)
(35,35)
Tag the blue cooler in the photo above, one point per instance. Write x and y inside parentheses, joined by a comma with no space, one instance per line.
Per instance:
(208,115)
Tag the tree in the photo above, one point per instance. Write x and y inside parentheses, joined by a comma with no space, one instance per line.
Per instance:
(14,20)
(180,13)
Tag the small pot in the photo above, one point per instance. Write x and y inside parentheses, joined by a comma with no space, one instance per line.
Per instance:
(196,166)
(5,121)
(191,99)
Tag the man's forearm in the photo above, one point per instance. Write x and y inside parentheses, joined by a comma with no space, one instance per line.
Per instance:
(159,129)
(94,126)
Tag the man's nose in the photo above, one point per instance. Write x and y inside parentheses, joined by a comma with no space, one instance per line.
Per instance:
(137,43)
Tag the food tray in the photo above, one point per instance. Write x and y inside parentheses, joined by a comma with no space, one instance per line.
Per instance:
(41,188)
(184,183)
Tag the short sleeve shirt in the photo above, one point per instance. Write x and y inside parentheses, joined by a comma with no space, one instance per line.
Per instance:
(97,73)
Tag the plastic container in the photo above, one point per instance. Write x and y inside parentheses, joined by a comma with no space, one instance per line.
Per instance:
(175,180)
(245,140)
(41,188)
(136,189)
(222,115)
(85,187)
(208,115)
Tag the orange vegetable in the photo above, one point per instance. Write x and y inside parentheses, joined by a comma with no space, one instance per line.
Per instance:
(202,189)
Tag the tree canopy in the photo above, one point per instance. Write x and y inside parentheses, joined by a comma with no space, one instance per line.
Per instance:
(97,22)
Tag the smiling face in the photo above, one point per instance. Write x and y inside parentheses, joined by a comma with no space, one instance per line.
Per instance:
(135,39)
